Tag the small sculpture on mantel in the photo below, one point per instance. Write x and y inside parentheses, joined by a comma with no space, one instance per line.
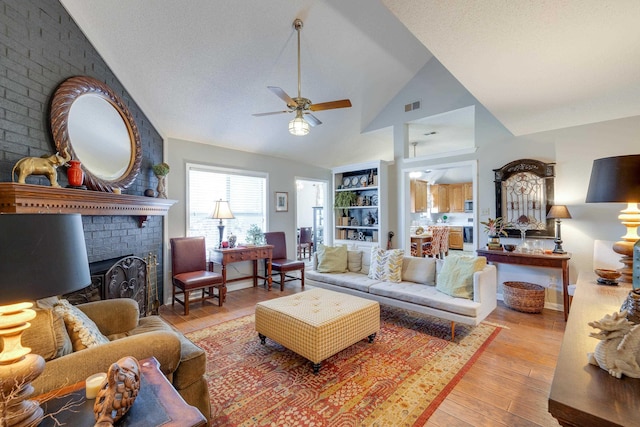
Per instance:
(618,352)
(45,165)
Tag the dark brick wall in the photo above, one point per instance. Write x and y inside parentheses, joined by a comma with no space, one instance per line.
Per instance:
(40,47)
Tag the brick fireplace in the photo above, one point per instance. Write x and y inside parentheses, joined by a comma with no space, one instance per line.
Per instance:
(42,46)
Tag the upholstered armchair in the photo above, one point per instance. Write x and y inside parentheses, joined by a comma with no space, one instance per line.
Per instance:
(181,361)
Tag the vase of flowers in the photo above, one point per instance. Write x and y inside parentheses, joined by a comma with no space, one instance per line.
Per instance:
(161,170)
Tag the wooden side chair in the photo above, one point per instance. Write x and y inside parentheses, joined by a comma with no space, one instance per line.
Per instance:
(280,262)
(189,271)
(305,241)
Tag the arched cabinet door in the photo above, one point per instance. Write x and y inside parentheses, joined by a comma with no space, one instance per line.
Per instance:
(524,195)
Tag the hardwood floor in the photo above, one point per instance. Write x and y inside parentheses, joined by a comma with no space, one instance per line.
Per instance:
(507,386)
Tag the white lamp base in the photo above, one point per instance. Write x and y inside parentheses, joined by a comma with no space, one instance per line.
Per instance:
(18,368)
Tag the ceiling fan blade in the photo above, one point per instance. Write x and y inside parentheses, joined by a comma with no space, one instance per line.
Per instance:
(271,113)
(343,103)
(283,95)
(311,119)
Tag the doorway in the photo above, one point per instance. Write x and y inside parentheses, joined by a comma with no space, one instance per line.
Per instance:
(311,213)
(444,174)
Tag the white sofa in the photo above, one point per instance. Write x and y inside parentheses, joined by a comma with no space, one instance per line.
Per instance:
(416,291)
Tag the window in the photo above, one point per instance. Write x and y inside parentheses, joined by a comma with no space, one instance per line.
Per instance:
(245,191)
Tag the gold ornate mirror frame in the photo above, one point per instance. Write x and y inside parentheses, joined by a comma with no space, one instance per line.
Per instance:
(94,124)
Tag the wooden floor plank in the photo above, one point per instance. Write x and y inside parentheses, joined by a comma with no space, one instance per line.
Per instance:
(507,386)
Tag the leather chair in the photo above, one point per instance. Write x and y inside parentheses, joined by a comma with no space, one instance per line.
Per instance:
(189,270)
(280,262)
(305,241)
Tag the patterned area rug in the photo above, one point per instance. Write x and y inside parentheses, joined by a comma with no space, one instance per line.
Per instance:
(399,380)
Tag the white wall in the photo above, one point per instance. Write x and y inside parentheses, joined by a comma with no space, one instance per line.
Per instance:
(282,176)
(572,149)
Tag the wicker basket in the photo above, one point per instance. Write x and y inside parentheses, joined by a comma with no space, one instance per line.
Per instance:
(523,296)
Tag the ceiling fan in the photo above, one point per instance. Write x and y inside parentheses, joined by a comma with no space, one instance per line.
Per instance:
(302,106)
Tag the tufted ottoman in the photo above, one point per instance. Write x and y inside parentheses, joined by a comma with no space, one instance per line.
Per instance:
(317,323)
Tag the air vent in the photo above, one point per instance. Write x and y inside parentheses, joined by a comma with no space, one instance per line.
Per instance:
(412,106)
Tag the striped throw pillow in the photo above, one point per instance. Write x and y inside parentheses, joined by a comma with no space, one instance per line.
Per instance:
(386,265)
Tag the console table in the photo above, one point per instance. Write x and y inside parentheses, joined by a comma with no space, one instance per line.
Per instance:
(224,256)
(157,403)
(583,394)
(560,261)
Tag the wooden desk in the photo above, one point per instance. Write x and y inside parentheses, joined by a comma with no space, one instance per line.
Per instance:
(583,394)
(157,403)
(560,261)
(240,254)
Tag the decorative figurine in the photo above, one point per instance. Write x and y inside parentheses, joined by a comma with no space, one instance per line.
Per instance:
(618,352)
(161,170)
(118,393)
(46,165)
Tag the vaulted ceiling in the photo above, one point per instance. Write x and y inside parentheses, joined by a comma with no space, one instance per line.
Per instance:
(199,69)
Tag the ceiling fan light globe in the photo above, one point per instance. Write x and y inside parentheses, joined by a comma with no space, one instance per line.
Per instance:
(298,126)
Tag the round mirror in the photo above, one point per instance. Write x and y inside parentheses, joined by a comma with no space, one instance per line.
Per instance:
(92,122)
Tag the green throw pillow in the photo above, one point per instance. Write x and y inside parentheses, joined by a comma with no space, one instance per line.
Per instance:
(332,259)
(456,277)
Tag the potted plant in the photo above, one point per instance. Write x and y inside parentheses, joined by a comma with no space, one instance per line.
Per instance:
(255,236)
(161,170)
(494,228)
(344,200)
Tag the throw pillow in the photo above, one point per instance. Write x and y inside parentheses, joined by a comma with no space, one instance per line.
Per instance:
(83,331)
(332,259)
(354,261)
(419,270)
(366,262)
(47,335)
(386,265)
(456,277)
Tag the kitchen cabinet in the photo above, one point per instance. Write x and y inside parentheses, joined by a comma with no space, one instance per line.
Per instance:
(439,194)
(418,195)
(456,198)
(468,190)
(456,239)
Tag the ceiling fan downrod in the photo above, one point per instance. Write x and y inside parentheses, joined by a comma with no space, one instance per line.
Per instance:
(297,24)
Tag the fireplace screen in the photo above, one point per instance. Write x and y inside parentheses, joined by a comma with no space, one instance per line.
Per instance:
(116,278)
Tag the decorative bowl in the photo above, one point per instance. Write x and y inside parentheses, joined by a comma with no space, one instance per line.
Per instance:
(509,247)
(607,274)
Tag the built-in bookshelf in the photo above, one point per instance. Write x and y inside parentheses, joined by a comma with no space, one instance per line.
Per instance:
(359,197)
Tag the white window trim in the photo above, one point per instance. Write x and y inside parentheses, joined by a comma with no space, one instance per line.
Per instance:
(218,169)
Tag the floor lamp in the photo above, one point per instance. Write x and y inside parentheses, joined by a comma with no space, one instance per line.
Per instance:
(41,255)
(558,212)
(221,211)
(617,180)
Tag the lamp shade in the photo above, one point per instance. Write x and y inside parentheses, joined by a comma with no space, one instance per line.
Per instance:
(222,210)
(41,255)
(298,126)
(558,212)
(615,180)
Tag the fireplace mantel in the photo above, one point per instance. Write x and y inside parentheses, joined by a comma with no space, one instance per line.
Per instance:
(29,198)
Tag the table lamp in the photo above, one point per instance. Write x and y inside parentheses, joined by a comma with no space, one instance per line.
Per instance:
(41,255)
(558,212)
(221,211)
(617,180)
